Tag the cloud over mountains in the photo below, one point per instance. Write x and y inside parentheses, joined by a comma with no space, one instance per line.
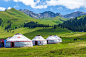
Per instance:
(40,4)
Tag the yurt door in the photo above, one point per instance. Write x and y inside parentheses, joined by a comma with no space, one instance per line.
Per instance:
(47,41)
(12,44)
(35,42)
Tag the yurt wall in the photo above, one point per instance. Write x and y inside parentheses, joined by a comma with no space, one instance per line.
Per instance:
(39,40)
(19,40)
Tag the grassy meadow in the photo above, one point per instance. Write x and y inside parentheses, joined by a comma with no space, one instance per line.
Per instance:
(68,47)
(75,49)
(65,49)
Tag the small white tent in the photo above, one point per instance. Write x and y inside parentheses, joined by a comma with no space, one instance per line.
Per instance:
(60,40)
(18,40)
(39,40)
(51,40)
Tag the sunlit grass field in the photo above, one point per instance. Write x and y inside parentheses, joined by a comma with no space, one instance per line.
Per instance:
(68,47)
(75,49)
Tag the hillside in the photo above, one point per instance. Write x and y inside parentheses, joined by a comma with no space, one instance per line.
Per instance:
(59,49)
(12,19)
(17,18)
(76,24)
(56,19)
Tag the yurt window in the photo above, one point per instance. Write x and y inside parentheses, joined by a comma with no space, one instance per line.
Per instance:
(40,42)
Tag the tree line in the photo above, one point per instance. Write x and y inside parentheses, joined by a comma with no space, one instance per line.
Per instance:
(75,24)
(32,24)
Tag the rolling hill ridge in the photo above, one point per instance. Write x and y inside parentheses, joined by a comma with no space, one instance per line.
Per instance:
(49,14)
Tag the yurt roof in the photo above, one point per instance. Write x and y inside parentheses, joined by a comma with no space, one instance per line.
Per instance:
(57,37)
(18,37)
(38,38)
(8,38)
(51,38)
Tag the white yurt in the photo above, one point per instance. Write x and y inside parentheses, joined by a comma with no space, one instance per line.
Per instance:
(18,40)
(8,38)
(51,40)
(60,40)
(39,40)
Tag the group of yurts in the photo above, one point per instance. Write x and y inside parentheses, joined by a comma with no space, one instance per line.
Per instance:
(19,40)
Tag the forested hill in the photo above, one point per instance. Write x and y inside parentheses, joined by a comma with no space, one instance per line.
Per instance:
(76,24)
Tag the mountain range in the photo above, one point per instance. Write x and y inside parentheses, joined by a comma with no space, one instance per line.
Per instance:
(49,14)
(13,19)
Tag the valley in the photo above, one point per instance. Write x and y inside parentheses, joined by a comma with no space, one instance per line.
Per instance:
(12,21)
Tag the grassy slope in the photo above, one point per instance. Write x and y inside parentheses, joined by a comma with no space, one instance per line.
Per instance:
(13,17)
(57,19)
(81,17)
(18,18)
(30,33)
(45,32)
(51,50)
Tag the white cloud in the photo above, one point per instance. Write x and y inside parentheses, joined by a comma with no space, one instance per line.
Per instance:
(9,8)
(7,0)
(70,4)
(2,9)
(40,6)
(32,3)
(59,8)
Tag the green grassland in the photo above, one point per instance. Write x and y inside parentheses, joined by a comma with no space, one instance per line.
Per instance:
(76,49)
(65,49)
(68,48)
(57,19)
(81,17)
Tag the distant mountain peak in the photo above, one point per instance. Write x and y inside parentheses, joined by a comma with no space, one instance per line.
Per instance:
(46,14)
(74,14)
(50,14)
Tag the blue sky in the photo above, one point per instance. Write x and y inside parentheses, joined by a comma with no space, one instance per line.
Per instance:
(39,6)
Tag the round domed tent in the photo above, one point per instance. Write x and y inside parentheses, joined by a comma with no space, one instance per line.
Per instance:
(39,40)
(51,40)
(60,40)
(18,40)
